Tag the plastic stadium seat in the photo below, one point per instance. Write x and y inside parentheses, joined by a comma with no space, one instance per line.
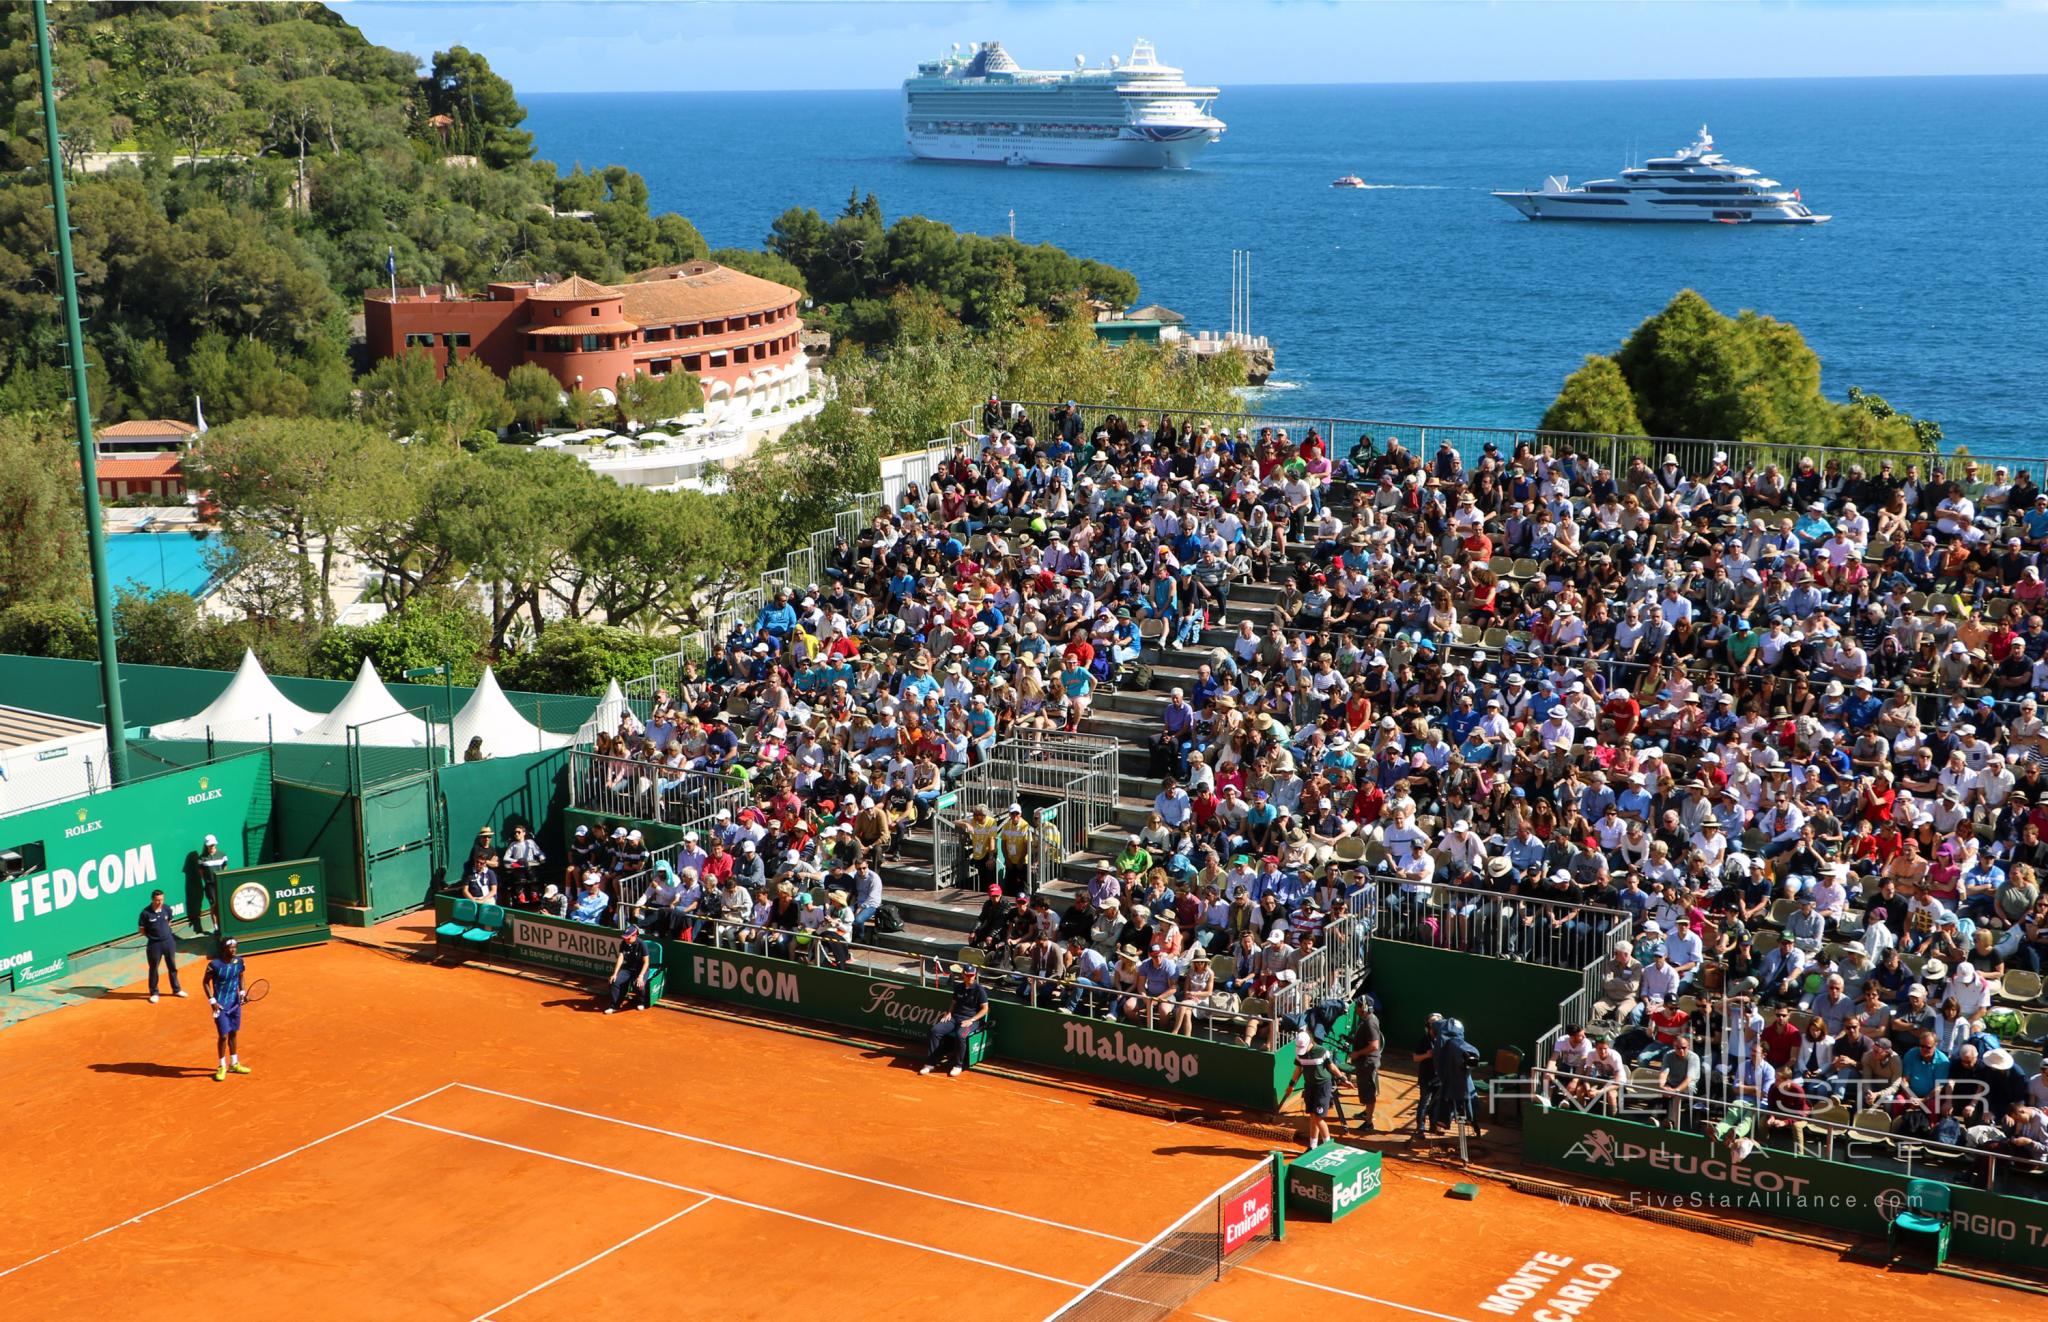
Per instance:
(1924,1217)
(461,920)
(2019,987)
(489,919)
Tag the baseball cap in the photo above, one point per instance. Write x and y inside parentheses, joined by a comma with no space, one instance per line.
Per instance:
(212,840)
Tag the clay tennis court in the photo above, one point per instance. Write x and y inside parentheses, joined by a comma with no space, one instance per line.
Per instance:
(438,1143)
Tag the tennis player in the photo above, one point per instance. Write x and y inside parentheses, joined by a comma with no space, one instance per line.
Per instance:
(224,991)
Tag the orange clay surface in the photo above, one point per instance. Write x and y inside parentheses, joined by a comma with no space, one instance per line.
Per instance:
(448,1143)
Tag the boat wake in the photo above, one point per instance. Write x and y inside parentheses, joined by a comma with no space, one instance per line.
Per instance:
(1407,188)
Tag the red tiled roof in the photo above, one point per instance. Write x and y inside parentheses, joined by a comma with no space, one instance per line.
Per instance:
(573,290)
(581,327)
(694,291)
(149,427)
(142,468)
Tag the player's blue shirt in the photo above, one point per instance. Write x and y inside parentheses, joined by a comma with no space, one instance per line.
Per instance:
(227,981)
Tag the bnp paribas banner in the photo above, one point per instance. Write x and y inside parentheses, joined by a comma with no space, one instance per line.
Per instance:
(80,871)
(1697,1172)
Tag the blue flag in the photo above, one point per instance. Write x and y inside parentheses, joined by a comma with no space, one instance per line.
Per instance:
(391,261)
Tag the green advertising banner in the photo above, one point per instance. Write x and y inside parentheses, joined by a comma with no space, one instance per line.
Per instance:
(275,906)
(81,870)
(1195,1066)
(1861,1199)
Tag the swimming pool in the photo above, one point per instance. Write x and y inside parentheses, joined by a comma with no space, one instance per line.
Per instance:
(158,562)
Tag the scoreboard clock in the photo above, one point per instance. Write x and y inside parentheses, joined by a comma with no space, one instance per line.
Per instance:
(275,906)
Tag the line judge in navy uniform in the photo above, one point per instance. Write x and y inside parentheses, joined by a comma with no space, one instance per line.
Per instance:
(160,944)
(970,1007)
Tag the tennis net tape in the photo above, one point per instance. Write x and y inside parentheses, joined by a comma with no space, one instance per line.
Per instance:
(1216,1235)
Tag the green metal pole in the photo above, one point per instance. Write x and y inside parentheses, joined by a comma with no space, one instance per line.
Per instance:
(102,590)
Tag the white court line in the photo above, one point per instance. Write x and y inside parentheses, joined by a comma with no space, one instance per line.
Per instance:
(801,1165)
(226,1179)
(922,1193)
(741,1202)
(1353,1294)
(485,1316)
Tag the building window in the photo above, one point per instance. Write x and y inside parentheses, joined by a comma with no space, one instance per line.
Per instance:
(456,339)
(658,334)
(660,366)
(590,344)
(556,344)
(718,358)
(692,361)
(596,312)
(419,341)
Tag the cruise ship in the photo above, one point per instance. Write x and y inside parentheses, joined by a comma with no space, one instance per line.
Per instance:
(978,105)
(1696,183)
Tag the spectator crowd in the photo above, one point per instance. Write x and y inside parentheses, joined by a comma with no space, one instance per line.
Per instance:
(1765,742)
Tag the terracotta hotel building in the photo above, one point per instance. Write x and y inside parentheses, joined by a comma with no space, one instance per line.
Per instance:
(738,333)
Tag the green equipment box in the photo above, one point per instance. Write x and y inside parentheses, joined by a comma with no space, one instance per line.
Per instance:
(275,906)
(1330,1182)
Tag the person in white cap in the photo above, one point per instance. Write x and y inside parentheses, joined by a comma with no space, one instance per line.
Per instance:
(209,864)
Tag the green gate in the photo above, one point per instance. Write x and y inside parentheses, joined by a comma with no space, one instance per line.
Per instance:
(401,850)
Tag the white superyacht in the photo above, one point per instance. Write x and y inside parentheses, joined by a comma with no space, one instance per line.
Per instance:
(1696,183)
(978,105)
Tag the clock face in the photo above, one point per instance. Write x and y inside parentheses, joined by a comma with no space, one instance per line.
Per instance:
(250,900)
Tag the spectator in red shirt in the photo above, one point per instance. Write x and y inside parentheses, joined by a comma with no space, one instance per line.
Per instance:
(1624,711)
(1780,1038)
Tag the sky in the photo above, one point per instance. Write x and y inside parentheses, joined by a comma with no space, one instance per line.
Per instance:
(567,46)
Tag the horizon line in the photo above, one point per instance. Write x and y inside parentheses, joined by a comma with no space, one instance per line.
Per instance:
(1396,82)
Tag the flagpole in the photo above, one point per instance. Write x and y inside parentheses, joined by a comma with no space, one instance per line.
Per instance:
(81,405)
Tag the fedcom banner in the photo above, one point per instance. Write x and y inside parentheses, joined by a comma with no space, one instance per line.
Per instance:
(92,862)
(1697,1172)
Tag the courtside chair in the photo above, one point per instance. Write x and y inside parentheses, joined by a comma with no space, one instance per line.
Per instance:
(975,1045)
(1923,1218)
(490,919)
(460,920)
(657,971)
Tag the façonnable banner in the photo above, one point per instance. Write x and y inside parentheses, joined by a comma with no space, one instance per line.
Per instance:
(80,871)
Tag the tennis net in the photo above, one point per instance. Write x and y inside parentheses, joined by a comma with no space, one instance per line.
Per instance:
(1216,1235)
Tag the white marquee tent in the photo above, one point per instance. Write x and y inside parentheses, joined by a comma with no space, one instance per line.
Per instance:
(489,714)
(249,710)
(370,705)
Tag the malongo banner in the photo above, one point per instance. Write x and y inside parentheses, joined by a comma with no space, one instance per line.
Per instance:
(77,873)
(1698,1172)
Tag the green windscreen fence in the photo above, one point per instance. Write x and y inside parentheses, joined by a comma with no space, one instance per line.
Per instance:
(501,792)
(309,822)
(1502,1002)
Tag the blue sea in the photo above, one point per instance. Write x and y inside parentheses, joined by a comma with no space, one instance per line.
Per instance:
(1422,299)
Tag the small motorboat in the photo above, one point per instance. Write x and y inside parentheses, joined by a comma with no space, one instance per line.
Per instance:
(1348,181)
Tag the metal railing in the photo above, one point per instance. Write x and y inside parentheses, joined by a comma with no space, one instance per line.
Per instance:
(919,466)
(1557,933)
(650,791)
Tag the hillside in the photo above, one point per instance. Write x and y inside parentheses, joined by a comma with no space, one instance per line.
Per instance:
(285,159)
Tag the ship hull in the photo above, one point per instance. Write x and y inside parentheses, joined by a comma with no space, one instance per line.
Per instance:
(1541,207)
(1167,150)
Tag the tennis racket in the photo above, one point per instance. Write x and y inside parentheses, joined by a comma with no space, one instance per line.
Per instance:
(256,990)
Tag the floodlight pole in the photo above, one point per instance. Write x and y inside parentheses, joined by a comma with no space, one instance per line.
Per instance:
(81,404)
